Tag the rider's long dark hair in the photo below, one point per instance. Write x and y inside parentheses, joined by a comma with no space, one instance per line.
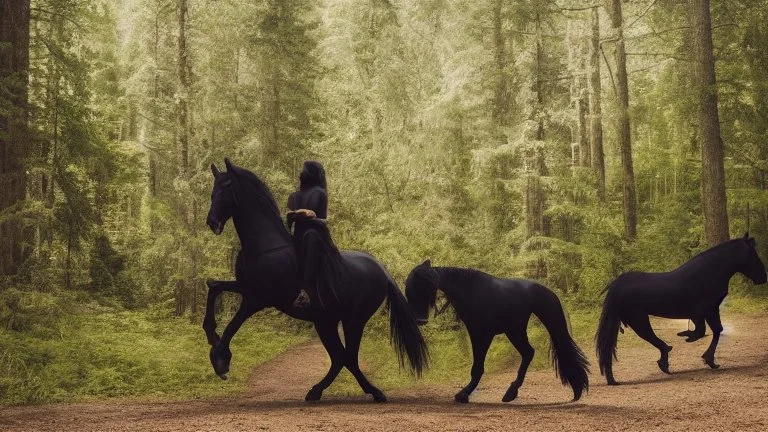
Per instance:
(312,175)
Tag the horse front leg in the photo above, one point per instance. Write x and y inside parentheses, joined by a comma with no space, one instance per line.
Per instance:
(480,344)
(713,319)
(220,354)
(215,288)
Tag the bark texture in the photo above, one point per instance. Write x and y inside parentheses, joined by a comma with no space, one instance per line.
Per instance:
(713,198)
(14,71)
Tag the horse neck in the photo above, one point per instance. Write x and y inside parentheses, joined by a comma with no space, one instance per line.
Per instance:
(718,265)
(257,229)
(452,282)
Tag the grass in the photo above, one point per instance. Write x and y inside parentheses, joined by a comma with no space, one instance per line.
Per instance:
(118,354)
(84,356)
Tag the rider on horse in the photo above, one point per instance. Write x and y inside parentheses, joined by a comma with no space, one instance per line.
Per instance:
(307,217)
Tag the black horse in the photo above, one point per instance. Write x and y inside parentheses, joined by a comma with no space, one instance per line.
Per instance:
(266,276)
(693,291)
(489,306)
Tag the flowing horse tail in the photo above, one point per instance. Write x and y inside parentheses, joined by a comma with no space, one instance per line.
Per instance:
(404,331)
(569,361)
(608,332)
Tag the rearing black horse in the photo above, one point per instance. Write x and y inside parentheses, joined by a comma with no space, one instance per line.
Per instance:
(266,276)
(693,291)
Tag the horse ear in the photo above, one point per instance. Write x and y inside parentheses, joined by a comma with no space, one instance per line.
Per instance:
(215,170)
(746,235)
(427,263)
(752,243)
(230,166)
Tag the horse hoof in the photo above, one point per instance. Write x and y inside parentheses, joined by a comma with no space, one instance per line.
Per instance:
(314,395)
(612,382)
(711,363)
(693,338)
(686,333)
(223,376)
(462,397)
(510,395)
(664,366)
(379,397)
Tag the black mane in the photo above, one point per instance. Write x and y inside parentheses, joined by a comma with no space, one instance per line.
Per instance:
(706,255)
(461,272)
(262,189)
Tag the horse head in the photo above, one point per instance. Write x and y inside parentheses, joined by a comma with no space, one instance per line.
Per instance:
(752,266)
(222,198)
(421,290)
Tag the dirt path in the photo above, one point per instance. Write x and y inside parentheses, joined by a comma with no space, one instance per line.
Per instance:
(693,398)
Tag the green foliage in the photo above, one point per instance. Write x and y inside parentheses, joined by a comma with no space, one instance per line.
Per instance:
(123,354)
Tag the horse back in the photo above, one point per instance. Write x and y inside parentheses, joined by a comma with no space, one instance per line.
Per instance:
(365,280)
(671,294)
(495,304)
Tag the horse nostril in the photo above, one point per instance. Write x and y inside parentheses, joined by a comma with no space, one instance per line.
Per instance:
(215,226)
(421,321)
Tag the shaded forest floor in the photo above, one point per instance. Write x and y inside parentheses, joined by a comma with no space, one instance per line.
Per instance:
(692,398)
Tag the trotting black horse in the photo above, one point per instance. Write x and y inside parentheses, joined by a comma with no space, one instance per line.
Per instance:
(489,306)
(266,276)
(693,291)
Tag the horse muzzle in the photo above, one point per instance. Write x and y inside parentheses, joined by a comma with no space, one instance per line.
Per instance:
(421,321)
(762,280)
(216,227)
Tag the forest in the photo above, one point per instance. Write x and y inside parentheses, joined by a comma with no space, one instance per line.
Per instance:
(565,141)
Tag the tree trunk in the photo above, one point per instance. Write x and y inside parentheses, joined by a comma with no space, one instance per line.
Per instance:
(14,70)
(535,194)
(583,108)
(183,91)
(713,198)
(595,109)
(538,82)
(625,139)
(152,167)
(184,287)
(501,97)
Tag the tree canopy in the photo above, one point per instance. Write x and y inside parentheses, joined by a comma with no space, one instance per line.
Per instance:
(565,141)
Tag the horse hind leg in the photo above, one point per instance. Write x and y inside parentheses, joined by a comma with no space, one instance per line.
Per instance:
(642,326)
(329,336)
(698,332)
(519,339)
(353,333)
(717,327)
